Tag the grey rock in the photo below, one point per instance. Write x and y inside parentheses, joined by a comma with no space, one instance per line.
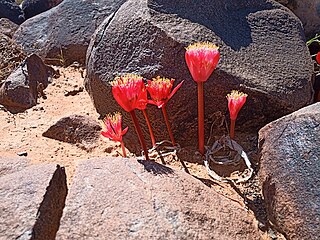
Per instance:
(76,129)
(308,12)
(7,27)
(9,165)
(289,173)
(32,200)
(21,89)
(256,40)
(62,34)
(116,198)
(34,7)
(9,9)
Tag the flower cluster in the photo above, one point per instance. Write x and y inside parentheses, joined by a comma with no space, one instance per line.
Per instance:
(131,93)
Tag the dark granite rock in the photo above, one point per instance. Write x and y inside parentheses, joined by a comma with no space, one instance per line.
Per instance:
(75,129)
(62,34)
(256,39)
(9,9)
(32,8)
(289,173)
(116,198)
(308,12)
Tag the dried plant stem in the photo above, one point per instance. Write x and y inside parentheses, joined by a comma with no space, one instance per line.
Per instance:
(149,127)
(165,115)
(201,117)
(124,154)
(139,132)
(232,126)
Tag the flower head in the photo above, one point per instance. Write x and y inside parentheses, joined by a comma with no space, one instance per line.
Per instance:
(111,127)
(160,90)
(130,92)
(236,100)
(318,57)
(202,59)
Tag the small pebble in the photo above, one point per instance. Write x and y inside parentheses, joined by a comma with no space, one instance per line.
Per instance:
(24,154)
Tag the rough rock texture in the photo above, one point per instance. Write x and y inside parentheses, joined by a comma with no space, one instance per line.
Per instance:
(60,35)
(76,129)
(11,56)
(10,165)
(308,12)
(32,200)
(289,172)
(115,198)
(256,40)
(21,89)
(9,9)
(7,27)
(35,7)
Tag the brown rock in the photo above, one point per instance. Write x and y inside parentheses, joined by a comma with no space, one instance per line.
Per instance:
(7,27)
(21,89)
(116,198)
(11,56)
(32,200)
(75,129)
(289,173)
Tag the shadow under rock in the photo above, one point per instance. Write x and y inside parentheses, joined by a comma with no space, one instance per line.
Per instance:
(155,168)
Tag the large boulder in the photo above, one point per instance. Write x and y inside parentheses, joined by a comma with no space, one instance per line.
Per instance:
(32,200)
(25,84)
(9,9)
(62,34)
(308,12)
(116,198)
(263,53)
(289,173)
(34,7)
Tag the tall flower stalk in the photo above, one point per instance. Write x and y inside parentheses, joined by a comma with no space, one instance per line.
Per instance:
(201,59)
(160,92)
(130,93)
(112,129)
(236,100)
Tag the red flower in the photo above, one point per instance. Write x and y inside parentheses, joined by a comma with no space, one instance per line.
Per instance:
(111,127)
(130,92)
(202,59)
(160,90)
(318,57)
(235,102)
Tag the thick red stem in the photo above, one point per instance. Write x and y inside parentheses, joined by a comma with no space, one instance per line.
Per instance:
(165,115)
(232,127)
(149,127)
(123,149)
(201,117)
(139,132)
